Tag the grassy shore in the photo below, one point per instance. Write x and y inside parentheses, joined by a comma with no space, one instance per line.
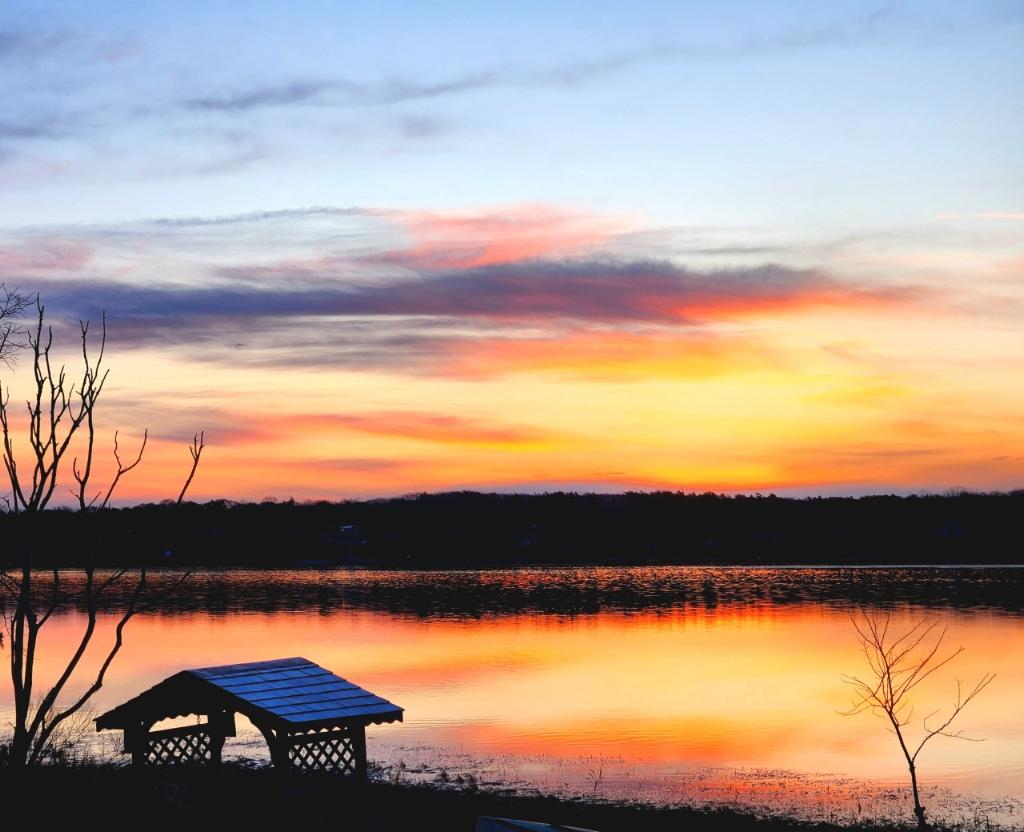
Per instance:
(235,798)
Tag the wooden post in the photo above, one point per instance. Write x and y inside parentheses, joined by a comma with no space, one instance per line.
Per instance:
(359,744)
(221,726)
(136,742)
(279,752)
(216,748)
(277,742)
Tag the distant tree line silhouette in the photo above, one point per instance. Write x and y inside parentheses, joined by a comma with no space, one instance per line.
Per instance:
(476,530)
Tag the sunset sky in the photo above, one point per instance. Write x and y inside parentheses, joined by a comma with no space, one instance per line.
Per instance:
(383,248)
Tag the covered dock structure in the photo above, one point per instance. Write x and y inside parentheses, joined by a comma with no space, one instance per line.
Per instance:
(311,719)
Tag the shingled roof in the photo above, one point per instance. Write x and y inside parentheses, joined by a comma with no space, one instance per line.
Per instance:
(283,693)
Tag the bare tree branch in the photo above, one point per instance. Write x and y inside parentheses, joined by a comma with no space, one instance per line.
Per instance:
(13,304)
(196,450)
(958,705)
(123,469)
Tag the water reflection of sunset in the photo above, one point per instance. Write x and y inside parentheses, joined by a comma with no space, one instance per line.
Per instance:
(753,686)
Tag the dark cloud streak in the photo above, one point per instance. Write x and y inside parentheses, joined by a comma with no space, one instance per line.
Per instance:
(295,92)
(27,130)
(263,216)
(19,43)
(412,324)
(340,92)
(347,92)
(595,290)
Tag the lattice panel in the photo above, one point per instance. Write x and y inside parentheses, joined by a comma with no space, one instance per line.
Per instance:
(335,752)
(180,749)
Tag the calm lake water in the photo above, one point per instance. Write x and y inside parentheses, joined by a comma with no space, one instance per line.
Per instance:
(660,684)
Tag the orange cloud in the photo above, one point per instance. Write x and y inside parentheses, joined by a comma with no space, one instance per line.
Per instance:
(422,427)
(605,355)
(417,426)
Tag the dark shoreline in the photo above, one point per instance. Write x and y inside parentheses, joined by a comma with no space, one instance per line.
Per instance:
(239,797)
(471,530)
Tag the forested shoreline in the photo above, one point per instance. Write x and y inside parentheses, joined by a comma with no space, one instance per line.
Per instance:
(486,530)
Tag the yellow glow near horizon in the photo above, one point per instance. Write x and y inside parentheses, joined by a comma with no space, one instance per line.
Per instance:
(807,421)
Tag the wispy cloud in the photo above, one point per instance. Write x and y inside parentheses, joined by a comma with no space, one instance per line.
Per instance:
(263,216)
(172,116)
(1015,216)
(27,130)
(348,92)
(21,43)
(271,95)
(339,92)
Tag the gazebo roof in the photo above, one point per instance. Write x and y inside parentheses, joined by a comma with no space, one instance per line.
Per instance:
(284,693)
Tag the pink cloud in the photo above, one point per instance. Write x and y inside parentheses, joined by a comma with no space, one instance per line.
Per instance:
(43,256)
(465,241)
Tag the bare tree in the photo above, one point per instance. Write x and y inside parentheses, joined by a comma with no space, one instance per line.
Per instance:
(58,411)
(13,304)
(899,663)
